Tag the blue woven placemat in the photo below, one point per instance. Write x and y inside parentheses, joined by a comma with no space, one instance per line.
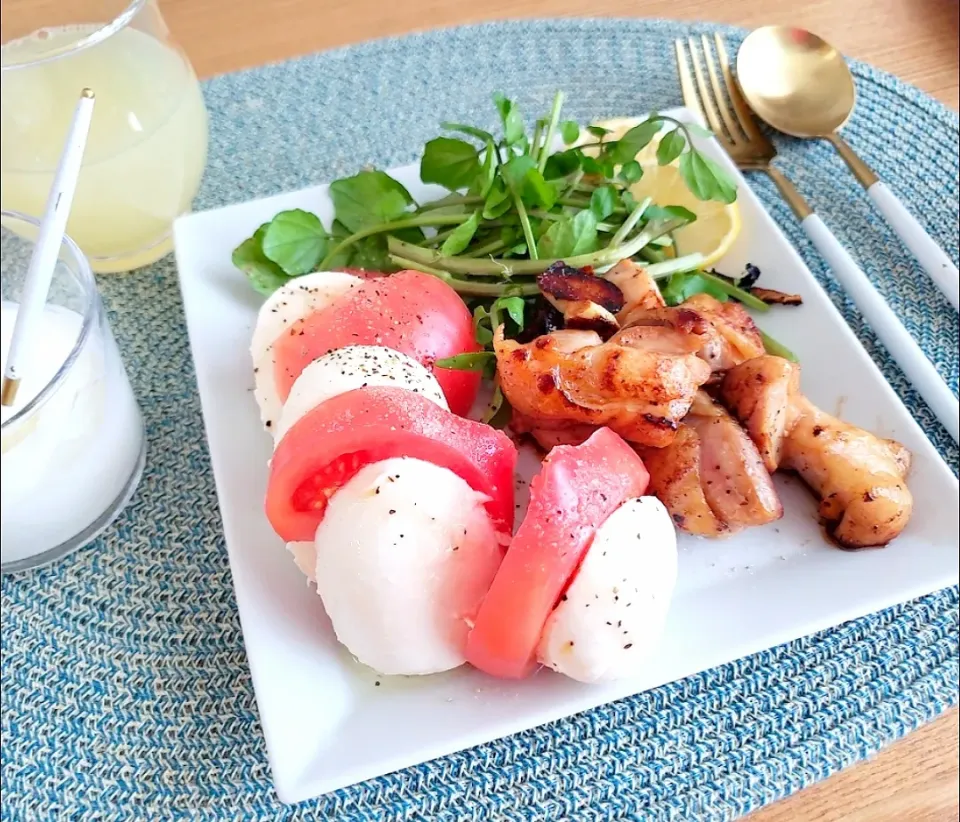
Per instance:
(125,690)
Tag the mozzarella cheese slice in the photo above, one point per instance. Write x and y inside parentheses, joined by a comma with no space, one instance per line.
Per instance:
(405,553)
(613,614)
(297,299)
(345,370)
(356,366)
(305,558)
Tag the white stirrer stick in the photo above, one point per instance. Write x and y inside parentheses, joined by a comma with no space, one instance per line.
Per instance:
(47,249)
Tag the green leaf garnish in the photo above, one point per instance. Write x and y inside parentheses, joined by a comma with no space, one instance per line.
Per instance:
(368,198)
(681,287)
(511,119)
(515,170)
(483,361)
(571,236)
(670,147)
(296,241)
(562,164)
(479,133)
(522,176)
(482,332)
(371,255)
(570,131)
(488,172)
(497,201)
(264,274)
(449,162)
(670,212)
(461,236)
(514,307)
(603,202)
(706,179)
(635,140)
(631,172)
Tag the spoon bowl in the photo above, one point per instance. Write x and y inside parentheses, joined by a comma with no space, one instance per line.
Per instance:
(795,81)
(800,84)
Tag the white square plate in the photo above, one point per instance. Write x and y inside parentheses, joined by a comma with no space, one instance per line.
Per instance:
(327,721)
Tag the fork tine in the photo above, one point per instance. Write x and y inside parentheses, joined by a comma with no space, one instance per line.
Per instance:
(744,115)
(712,117)
(687,88)
(721,99)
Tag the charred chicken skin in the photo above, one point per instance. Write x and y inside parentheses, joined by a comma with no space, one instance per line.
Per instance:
(728,333)
(859,477)
(640,383)
(711,477)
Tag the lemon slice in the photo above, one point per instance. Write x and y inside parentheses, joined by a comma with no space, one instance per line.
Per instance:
(717,225)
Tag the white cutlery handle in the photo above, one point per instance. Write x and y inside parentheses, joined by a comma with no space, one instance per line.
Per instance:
(898,341)
(933,258)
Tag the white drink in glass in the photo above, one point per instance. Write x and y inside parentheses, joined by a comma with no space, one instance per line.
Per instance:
(147,145)
(69,461)
(72,445)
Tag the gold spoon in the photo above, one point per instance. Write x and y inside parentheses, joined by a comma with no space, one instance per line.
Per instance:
(801,85)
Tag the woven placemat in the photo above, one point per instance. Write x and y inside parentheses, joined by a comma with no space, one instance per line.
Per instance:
(125,689)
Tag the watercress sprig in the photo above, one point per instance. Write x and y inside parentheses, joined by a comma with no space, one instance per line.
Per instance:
(516,205)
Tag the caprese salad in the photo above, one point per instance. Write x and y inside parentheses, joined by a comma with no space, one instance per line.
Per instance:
(400,509)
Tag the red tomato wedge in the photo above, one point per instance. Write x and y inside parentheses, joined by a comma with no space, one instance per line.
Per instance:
(329,445)
(574,493)
(410,312)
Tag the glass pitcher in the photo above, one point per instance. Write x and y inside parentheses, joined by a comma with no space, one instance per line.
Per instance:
(148,139)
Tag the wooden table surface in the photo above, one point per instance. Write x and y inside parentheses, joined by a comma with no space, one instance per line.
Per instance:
(913,780)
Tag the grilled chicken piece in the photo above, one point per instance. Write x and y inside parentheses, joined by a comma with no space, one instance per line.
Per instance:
(640,383)
(587,302)
(730,335)
(738,338)
(758,393)
(640,292)
(711,477)
(733,336)
(859,477)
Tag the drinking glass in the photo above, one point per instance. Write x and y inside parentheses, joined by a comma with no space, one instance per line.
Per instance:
(72,447)
(148,139)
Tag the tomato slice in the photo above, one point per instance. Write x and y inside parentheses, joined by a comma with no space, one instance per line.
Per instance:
(410,312)
(574,493)
(331,443)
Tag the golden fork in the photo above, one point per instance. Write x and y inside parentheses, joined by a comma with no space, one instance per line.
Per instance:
(737,131)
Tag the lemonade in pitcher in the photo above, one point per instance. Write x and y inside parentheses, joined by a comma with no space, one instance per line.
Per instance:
(148,139)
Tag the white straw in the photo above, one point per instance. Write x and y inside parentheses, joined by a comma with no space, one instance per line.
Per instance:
(47,248)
